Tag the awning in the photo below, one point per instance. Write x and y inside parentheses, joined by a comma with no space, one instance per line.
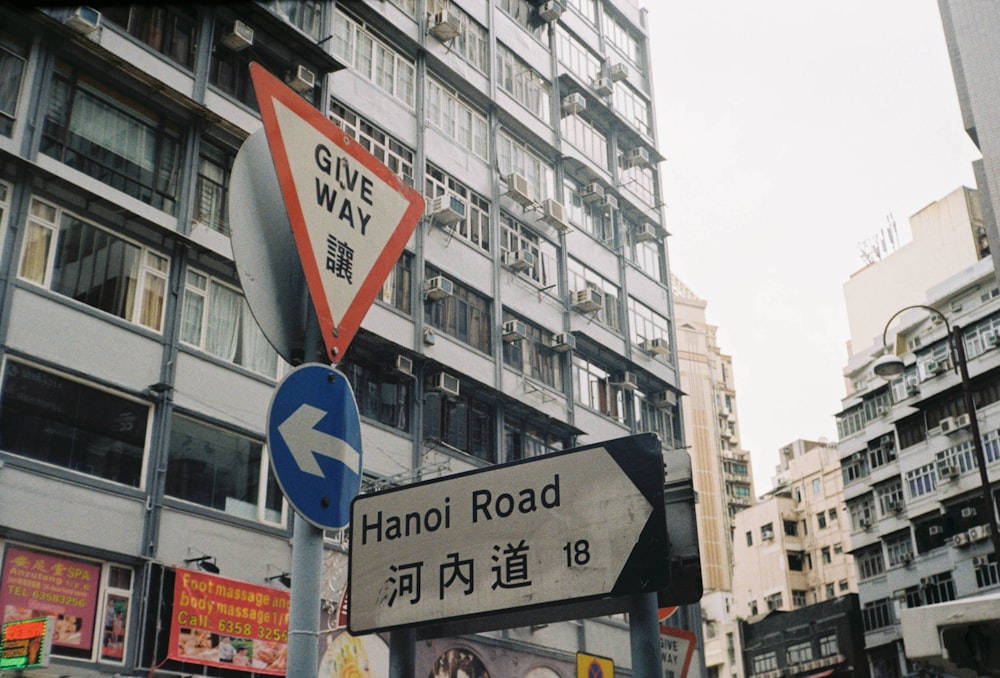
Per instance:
(821,674)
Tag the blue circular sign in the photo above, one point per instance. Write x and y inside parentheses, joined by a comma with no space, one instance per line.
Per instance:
(314,442)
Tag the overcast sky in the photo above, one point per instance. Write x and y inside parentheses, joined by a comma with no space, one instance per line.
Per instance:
(792,129)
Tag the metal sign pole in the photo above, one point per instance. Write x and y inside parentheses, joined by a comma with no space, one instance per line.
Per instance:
(644,632)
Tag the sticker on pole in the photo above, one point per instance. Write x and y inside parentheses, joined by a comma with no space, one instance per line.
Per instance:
(350,215)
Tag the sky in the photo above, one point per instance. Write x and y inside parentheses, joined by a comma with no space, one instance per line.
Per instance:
(793,129)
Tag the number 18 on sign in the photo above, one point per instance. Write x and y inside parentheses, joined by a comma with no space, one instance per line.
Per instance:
(583,524)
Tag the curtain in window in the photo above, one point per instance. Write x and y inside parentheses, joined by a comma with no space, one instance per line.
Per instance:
(257,352)
(10,81)
(37,241)
(109,128)
(223,322)
(154,291)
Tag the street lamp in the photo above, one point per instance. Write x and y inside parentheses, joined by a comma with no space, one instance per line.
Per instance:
(890,366)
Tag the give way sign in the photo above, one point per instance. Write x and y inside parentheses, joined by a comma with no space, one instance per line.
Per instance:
(350,215)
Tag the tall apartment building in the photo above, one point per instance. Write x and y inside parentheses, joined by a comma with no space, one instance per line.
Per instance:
(723,476)
(135,383)
(911,482)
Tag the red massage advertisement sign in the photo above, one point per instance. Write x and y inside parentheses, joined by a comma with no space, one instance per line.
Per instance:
(44,585)
(230,624)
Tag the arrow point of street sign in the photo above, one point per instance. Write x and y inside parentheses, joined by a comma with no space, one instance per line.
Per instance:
(305,441)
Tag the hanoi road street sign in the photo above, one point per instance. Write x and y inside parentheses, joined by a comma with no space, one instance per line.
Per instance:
(350,215)
(314,442)
(579,525)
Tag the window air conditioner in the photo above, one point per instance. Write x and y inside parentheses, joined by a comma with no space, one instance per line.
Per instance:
(947,471)
(237,36)
(991,340)
(935,530)
(438,287)
(637,157)
(960,539)
(865,523)
(767,536)
(980,561)
(892,505)
(445,26)
(443,382)
(573,103)
(979,533)
(521,260)
(550,11)
(564,341)
(519,190)
(608,203)
(591,192)
(618,72)
(881,410)
(906,558)
(446,209)
(645,232)
(962,420)
(628,382)
(948,425)
(603,86)
(301,79)
(934,367)
(663,399)
(514,330)
(403,364)
(588,300)
(657,346)
(83,20)
(912,388)
(554,214)
(968,512)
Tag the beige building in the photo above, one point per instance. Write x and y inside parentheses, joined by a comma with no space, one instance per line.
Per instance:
(792,545)
(722,473)
(948,236)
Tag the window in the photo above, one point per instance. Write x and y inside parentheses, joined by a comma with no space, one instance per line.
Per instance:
(82,261)
(457,119)
(13,51)
(594,387)
(523,12)
(646,254)
(764,662)
(821,520)
(384,395)
(798,598)
(817,486)
(920,480)
(581,278)
(749,538)
(211,199)
(828,645)
(648,326)
(170,30)
(222,470)
(472,43)
(576,56)
(102,133)
(475,227)
(53,419)
(390,152)
(800,652)
(870,562)
(850,422)
(938,588)
(854,467)
(373,59)
(463,423)
(586,8)
(830,593)
(587,138)
(589,217)
(773,601)
(534,355)
(767,531)
(304,14)
(877,614)
(518,79)
(642,182)
(396,288)
(216,319)
(825,553)
(881,451)
(515,156)
(796,561)
(842,585)
(5,191)
(986,570)
(633,108)
(516,237)
(527,440)
(465,315)
(791,528)
(620,37)
(862,513)
(653,415)
(890,496)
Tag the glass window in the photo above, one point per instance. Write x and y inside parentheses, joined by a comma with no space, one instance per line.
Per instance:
(515,156)
(877,614)
(650,330)
(13,51)
(211,201)
(526,85)
(457,119)
(465,315)
(373,59)
(396,288)
(800,652)
(587,138)
(462,423)
(222,470)
(828,645)
(5,195)
(523,12)
(582,278)
(384,395)
(170,30)
(391,152)
(82,261)
(102,133)
(516,237)
(216,318)
(472,43)
(534,355)
(475,227)
(594,387)
(304,14)
(50,418)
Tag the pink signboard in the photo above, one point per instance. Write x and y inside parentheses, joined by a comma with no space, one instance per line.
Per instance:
(35,584)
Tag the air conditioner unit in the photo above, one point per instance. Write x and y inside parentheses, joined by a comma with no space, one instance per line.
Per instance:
(430,338)
(588,300)
(947,425)
(980,561)
(925,582)
(628,381)
(767,536)
(865,523)
(947,471)
(301,79)
(608,203)
(550,11)
(403,364)
(446,209)
(960,539)
(438,287)
(645,232)
(603,86)
(618,72)
(564,341)
(968,512)
(443,382)
(592,192)
(962,420)
(573,103)
(519,190)
(83,20)
(935,367)
(663,399)
(521,260)
(554,214)
(893,505)
(237,36)
(934,530)
(991,340)
(445,26)
(514,330)
(979,533)
(882,410)
(637,157)
(659,346)
(912,388)
(906,558)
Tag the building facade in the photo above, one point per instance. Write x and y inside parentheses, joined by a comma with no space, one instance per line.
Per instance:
(530,312)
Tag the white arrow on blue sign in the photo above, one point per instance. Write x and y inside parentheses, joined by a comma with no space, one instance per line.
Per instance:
(314,441)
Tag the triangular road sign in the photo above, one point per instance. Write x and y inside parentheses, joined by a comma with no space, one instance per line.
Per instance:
(350,215)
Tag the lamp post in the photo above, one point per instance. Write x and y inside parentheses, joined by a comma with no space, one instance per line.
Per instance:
(891,366)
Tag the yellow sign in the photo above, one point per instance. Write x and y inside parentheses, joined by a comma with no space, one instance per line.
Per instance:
(592,666)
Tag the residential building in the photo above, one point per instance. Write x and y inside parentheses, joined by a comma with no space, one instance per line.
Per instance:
(723,476)
(135,383)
